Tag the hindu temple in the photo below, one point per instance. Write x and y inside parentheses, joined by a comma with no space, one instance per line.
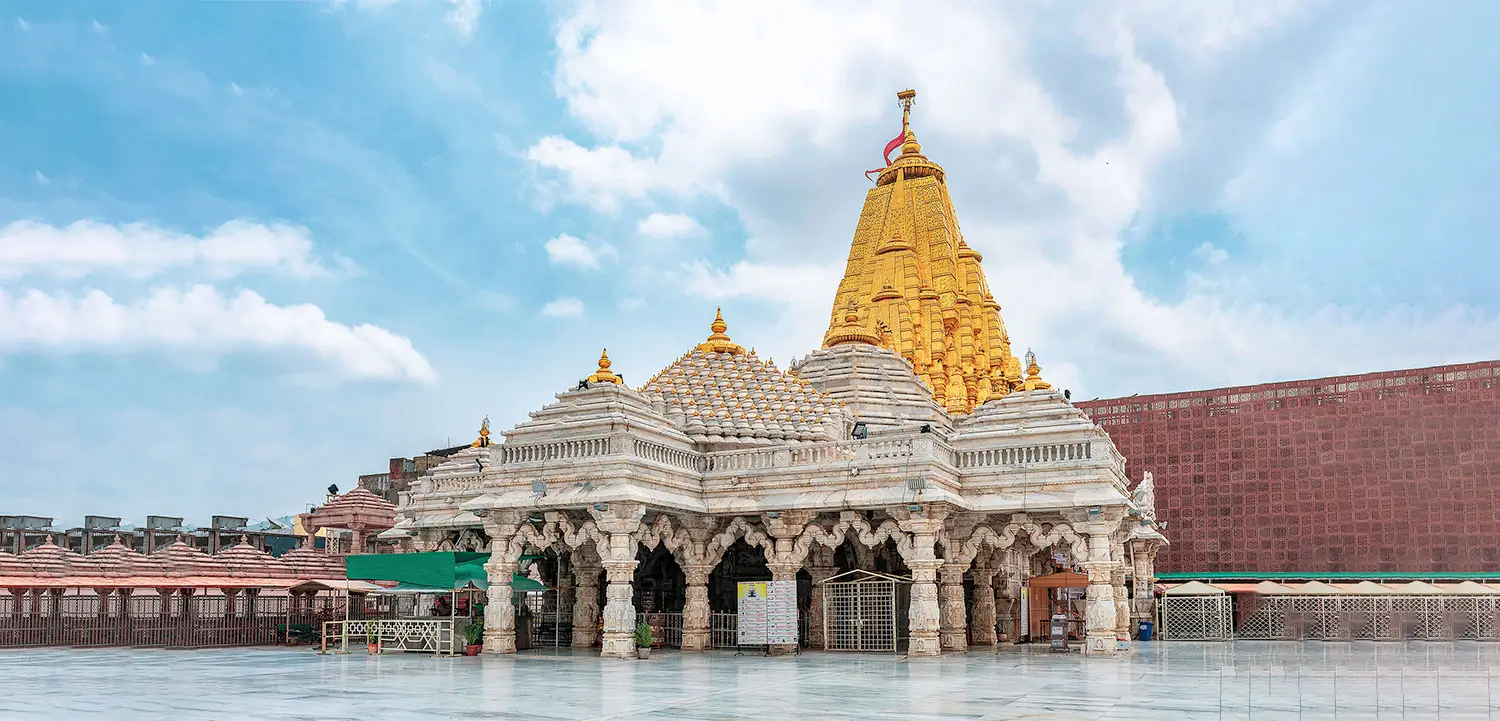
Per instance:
(914,446)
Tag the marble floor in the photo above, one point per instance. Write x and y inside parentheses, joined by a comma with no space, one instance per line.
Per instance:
(1241,680)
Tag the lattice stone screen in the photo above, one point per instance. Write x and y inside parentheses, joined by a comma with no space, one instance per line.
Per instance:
(1195,618)
(1369,617)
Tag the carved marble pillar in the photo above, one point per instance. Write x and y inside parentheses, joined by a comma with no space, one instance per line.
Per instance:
(820,568)
(1099,608)
(695,612)
(1008,606)
(586,570)
(982,626)
(953,621)
(567,586)
(619,521)
(1122,602)
(499,611)
(1143,557)
(924,616)
(786,561)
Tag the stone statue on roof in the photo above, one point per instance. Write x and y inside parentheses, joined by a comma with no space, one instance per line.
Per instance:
(1144,497)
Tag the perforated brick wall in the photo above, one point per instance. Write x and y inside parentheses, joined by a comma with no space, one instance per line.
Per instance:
(1395,471)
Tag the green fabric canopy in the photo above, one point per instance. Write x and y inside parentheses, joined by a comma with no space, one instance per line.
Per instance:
(438,570)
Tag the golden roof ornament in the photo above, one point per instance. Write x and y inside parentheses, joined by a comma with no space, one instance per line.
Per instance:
(484,434)
(604,374)
(1034,380)
(718,341)
(852,331)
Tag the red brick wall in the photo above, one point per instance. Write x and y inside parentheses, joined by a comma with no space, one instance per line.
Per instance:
(1396,471)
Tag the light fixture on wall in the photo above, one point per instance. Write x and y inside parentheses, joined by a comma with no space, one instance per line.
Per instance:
(861,431)
(773,514)
(538,488)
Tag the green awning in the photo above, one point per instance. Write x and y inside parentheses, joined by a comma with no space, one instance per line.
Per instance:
(438,570)
(517,583)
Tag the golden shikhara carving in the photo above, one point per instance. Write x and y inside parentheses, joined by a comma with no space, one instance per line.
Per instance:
(920,289)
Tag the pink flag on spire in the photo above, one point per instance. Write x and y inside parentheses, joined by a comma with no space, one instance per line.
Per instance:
(889,148)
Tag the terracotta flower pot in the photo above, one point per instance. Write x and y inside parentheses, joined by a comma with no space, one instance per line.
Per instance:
(373,647)
(473,649)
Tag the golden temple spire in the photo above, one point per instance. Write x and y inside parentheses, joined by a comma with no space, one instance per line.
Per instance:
(604,374)
(921,287)
(1034,380)
(484,434)
(718,341)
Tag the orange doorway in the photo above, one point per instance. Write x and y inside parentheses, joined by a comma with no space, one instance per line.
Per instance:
(1053,594)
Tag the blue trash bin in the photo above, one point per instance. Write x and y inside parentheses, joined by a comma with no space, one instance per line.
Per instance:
(1143,632)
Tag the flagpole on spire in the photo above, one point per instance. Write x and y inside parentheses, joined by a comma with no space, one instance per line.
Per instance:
(907,97)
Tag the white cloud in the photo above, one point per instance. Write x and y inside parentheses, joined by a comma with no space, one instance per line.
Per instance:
(668,225)
(563,308)
(22,25)
(631,303)
(1211,254)
(42,179)
(465,15)
(199,322)
(141,250)
(146,59)
(600,177)
(754,135)
(568,250)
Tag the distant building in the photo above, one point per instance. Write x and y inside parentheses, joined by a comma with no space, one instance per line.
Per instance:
(403,472)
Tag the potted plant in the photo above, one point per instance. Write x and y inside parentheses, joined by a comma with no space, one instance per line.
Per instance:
(372,636)
(643,640)
(474,635)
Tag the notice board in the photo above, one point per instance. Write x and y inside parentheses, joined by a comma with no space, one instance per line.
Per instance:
(767,613)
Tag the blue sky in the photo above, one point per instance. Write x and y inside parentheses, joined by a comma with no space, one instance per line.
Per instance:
(251,249)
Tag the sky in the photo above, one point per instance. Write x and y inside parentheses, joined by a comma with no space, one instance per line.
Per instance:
(251,249)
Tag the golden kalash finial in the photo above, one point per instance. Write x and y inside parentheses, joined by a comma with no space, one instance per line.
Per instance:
(604,374)
(484,434)
(718,341)
(1034,380)
(852,331)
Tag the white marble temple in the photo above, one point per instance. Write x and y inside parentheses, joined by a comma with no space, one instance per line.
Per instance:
(1166,681)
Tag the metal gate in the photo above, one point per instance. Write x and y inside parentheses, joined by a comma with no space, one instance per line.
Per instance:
(1194,618)
(861,611)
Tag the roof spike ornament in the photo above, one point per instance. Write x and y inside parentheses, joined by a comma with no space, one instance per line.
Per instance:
(718,341)
(604,374)
(484,434)
(1034,380)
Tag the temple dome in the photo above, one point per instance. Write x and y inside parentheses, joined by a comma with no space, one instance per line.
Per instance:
(50,559)
(718,393)
(312,563)
(180,559)
(247,561)
(118,559)
(10,565)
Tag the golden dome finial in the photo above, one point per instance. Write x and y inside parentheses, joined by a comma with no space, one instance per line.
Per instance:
(484,434)
(852,331)
(604,374)
(1034,380)
(718,341)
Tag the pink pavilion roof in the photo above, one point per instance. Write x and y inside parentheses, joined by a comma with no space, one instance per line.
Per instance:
(118,560)
(245,560)
(50,559)
(12,566)
(312,563)
(358,508)
(181,559)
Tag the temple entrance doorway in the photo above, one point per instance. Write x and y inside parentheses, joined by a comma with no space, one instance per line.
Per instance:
(1062,593)
(865,611)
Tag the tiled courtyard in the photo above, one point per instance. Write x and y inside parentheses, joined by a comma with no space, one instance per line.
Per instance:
(1244,680)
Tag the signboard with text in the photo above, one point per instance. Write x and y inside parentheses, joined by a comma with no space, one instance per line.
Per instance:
(767,613)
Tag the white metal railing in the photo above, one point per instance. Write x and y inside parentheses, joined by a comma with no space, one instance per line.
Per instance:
(557,450)
(401,634)
(1027,455)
